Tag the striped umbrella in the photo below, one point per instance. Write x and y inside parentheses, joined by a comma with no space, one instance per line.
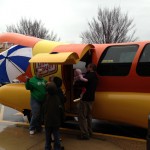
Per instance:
(14,62)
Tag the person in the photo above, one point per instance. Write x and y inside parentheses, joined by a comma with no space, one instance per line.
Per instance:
(79,77)
(37,87)
(51,77)
(63,99)
(85,105)
(52,117)
(58,82)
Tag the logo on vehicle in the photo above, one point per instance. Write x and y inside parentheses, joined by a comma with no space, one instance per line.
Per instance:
(47,68)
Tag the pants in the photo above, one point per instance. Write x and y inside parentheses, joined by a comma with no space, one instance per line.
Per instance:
(35,122)
(48,133)
(85,118)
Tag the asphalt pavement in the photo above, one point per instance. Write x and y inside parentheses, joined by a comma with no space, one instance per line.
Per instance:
(14,134)
(99,126)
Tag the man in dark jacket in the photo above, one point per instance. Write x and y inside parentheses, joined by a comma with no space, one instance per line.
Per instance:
(52,117)
(85,107)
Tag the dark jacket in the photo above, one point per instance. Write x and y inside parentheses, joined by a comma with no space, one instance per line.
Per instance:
(77,88)
(58,82)
(61,95)
(52,107)
(90,86)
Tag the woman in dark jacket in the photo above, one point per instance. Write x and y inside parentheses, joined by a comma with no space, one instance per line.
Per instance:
(52,117)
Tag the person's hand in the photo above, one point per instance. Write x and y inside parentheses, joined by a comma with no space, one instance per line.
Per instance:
(51,77)
(27,78)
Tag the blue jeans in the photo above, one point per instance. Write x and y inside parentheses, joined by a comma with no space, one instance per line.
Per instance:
(48,133)
(35,123)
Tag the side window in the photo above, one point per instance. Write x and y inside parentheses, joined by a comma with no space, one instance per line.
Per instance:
(117,60)
(143,66)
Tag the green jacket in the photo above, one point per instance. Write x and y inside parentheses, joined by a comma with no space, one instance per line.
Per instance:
(37,87)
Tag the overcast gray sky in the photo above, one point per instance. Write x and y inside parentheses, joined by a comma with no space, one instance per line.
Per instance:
(68,18)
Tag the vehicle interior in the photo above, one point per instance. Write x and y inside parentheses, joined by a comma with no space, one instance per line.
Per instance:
(68,78)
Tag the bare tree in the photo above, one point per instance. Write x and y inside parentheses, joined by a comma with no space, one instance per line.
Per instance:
(110,26)
(33,28)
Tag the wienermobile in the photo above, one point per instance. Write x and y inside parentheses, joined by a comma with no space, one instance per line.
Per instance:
(123,69)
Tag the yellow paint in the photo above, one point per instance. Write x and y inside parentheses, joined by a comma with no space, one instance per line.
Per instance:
(59,58)
(84,51)
(125,107)
(45,46)
(15,96)
(58,73)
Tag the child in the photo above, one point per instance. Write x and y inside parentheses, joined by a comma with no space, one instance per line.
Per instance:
(58,82)
(52,117)
(79,77)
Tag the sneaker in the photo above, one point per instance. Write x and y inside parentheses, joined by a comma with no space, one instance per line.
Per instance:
(83,137)
(90,134)
(39,130)
(54,140)
(62,147)
(77,100)
(32,132)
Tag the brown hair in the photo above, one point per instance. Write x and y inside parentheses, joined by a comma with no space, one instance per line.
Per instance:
(93,66)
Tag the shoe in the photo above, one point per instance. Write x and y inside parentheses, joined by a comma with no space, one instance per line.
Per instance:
(62,148)
(83,137)
(39,130)
(31,132)
(53,139)
(76,100)
(90,134)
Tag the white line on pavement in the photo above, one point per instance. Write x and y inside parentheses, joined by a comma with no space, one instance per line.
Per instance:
(1,112)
